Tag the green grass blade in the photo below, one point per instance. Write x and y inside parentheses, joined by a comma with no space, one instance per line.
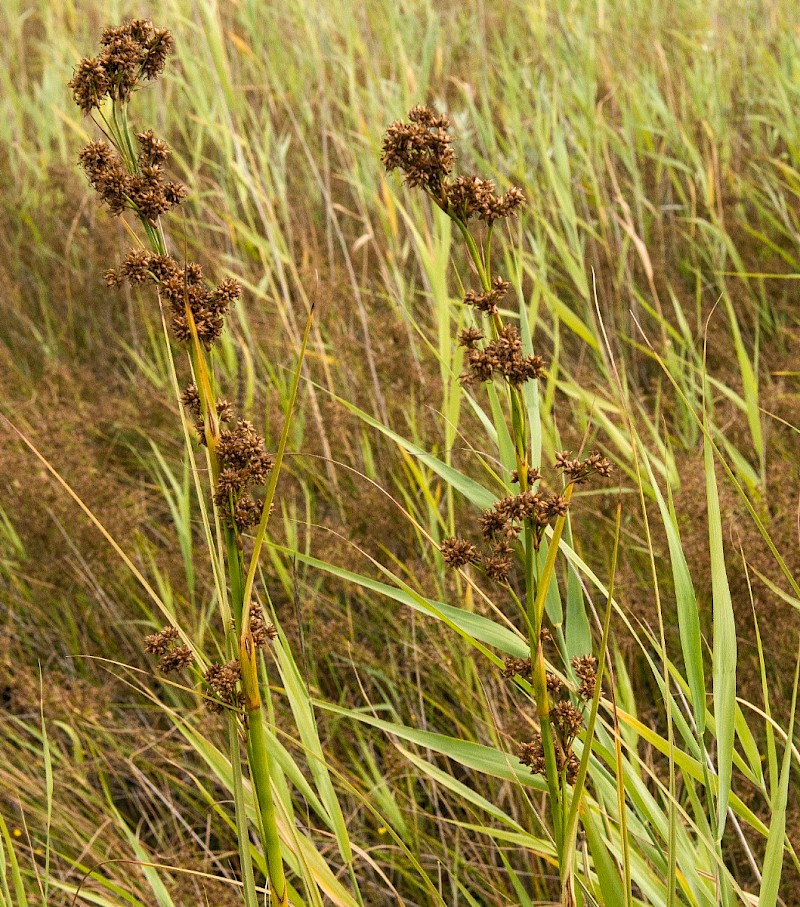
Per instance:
(773,857)
(724,651)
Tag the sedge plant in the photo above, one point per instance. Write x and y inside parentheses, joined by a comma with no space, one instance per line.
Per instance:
(496,353)
(127,169)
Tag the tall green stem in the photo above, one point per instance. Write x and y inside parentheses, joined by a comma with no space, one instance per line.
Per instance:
(535,587)
(258,753)
(261,772)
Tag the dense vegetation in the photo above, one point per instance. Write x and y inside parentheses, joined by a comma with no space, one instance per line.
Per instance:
(652,266)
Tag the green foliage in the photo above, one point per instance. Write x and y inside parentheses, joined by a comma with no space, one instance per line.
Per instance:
(658,148)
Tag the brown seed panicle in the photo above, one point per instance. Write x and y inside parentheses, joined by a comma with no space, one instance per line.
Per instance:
(469,337)
(130,53)
(146,192)
(176,659)
(190,399)
(554,684)
(471,196)
(161,642)
(222,680)
(261,631)
(487,302)
(505,519)
(246,464)
(183,288)
(567,720)
(421,148)
(532,754)
(458,552)
(502,356)
(165,643)
(569,764)
(517,666)
(585,667)
(498,565)
(578,471)
(501,525)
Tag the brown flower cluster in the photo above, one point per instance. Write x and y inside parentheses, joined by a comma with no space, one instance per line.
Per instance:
(261,631)
(222,680)
(506,518)
(585,667)
(245,464)
(470,196)
(126,181)
(513,667)
(165,644)
(184,289)
(503,522)
(577,471)
(422,149)
(145,191)
(130,53)
(532,754)
(487,302)
(501,525)
(501,356)
(190,398)
(566,719)
(459,552)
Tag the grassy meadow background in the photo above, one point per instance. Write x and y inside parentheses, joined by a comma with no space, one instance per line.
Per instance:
(658,145)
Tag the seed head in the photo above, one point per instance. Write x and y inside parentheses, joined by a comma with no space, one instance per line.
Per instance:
(176,659)
(585,667)
(554,684)
(487,302)
(224,410)
(222,678)
(89,84)
(468,196)
(497,567)
(532,754)
(190,398)
(493,523)
(130,53)
(517,666)
(578,471)
(470,337)
(570,764)
(503,356)
(152,151)
(566,719)
(246,513)
(261,631)
(471,196)
(421,148)
(161,642)
(458,552)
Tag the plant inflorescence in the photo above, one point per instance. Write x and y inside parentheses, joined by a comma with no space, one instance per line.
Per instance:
(128,170)
(516,523)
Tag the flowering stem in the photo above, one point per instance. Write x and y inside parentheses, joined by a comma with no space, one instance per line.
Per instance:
(474,254)
(261,771)
(555,782)
(258,754)
(535,589)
